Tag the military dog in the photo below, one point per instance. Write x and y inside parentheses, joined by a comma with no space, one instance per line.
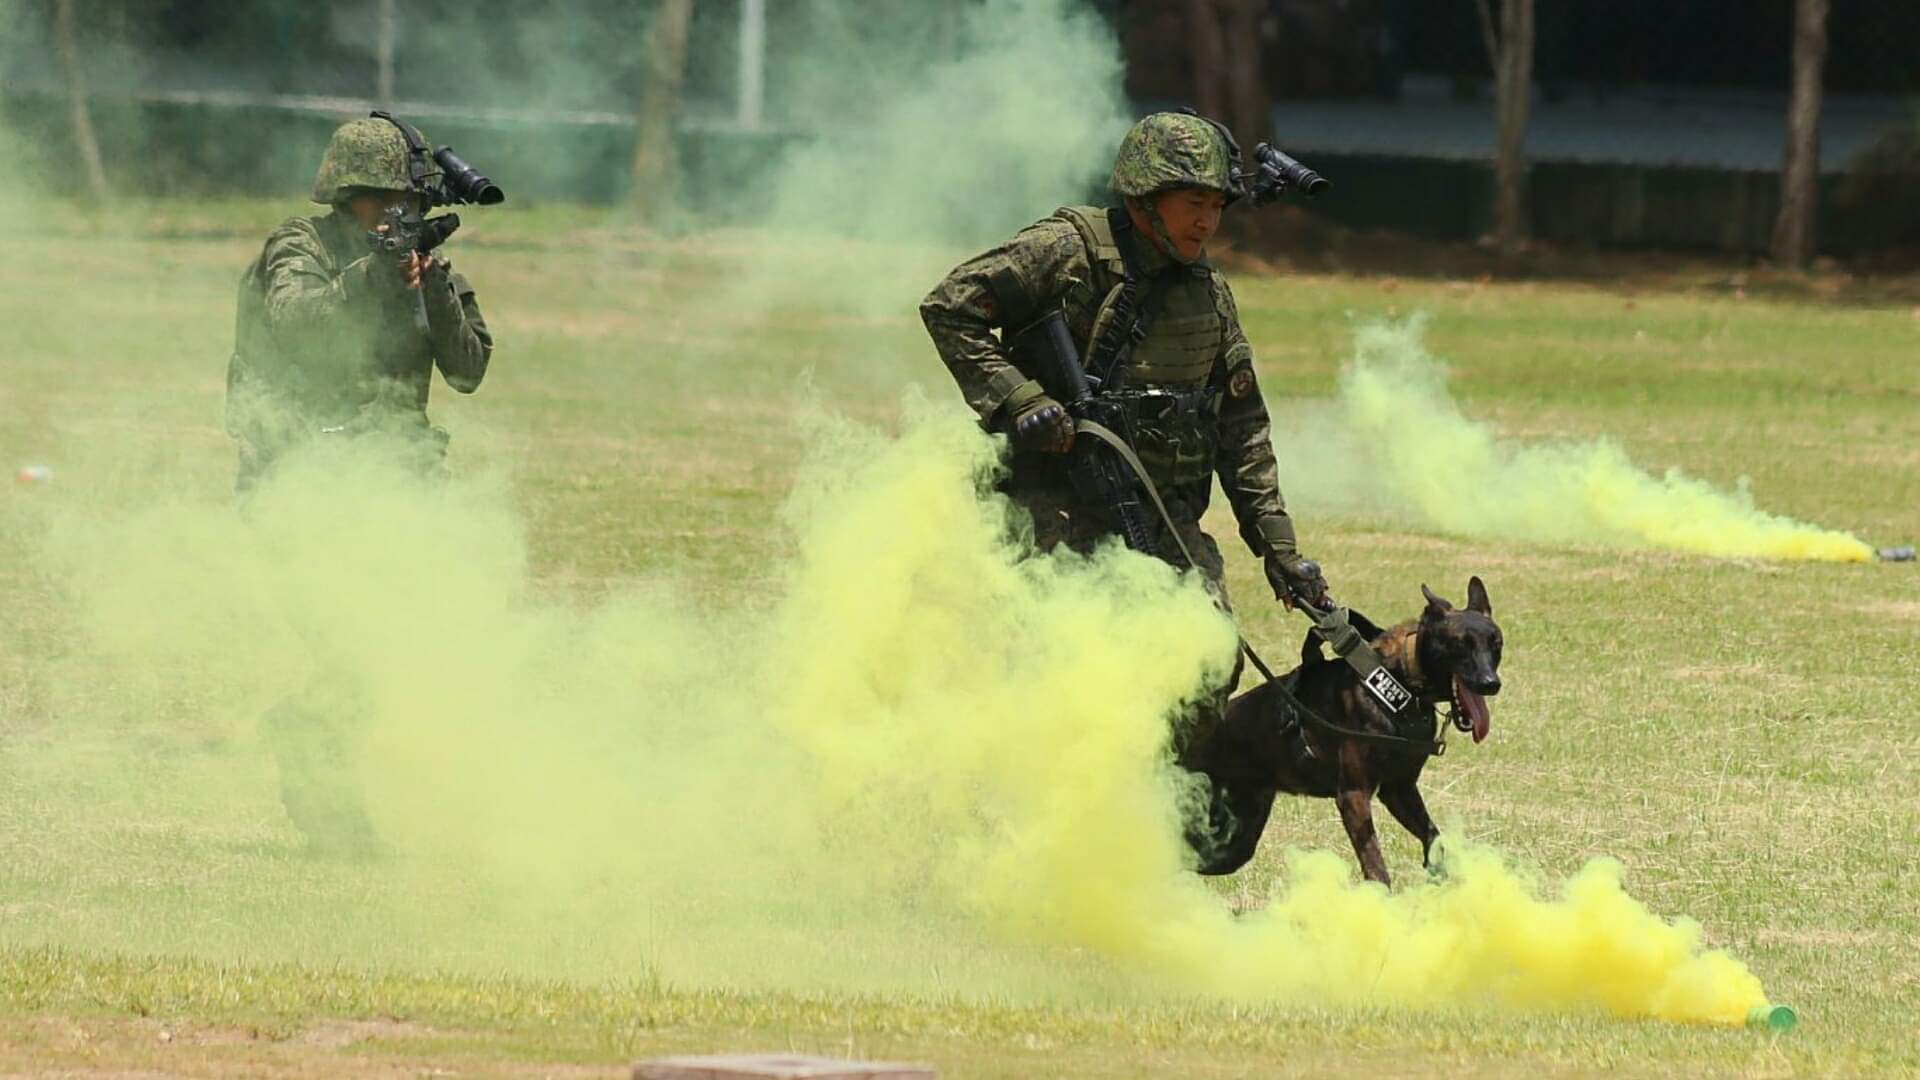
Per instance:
(1264,747)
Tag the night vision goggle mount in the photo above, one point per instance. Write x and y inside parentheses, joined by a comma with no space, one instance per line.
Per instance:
(1274,171)
(453,183)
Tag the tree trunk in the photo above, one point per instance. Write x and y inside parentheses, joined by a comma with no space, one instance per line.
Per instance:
(1223,46)
(1514,85)
(82,119)
(1249,113)
(1793,235)
(1207,51)
(655,165)
(384,53)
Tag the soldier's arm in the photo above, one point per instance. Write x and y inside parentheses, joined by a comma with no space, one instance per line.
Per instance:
(1248,471)
(1040,264)
(462,345)
(302,296)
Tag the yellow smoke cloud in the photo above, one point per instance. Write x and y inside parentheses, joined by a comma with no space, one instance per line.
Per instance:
(933,764)
(1458,477)
(1034,691)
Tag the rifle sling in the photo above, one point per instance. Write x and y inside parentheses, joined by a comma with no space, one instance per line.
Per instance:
(1107,359)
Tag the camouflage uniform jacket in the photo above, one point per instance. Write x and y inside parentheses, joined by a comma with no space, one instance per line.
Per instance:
(320,340)
(1055,262)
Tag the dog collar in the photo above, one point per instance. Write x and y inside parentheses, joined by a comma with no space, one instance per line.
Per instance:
(1406,656)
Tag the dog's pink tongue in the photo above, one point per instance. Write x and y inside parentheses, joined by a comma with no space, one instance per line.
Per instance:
(1476,707)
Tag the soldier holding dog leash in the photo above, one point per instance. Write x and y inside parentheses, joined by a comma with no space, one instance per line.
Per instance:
(1166,393)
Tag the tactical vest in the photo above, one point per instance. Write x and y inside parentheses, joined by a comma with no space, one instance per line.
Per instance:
(1173,372)
(282,387)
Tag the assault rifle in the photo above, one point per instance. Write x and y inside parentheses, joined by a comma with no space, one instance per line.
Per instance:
(1101,476)
(409,230)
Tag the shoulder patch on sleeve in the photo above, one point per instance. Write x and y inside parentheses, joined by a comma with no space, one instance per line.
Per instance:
(1240,383)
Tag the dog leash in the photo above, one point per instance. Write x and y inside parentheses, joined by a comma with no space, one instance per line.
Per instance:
(1333,625)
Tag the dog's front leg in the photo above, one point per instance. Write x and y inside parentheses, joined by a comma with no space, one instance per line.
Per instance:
(1410,810)
(1355,799)
(1356,813)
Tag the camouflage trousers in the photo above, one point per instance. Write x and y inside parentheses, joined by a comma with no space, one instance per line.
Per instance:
(1061,518)
(314,730)
(313,734)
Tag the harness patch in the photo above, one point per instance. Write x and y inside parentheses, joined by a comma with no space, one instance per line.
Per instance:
(1387,690)
(1240,383)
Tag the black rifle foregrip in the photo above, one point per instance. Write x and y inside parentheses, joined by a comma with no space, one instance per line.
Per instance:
(1060,372)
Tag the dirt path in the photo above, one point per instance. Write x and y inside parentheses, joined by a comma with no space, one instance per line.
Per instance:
(68,1046)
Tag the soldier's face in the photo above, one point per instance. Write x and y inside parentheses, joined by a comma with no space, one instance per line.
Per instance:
(1191,215)
(367,205)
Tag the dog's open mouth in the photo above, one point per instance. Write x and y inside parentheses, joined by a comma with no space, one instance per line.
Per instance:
(1472,707)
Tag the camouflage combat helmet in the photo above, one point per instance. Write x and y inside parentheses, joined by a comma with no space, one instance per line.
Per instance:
(365,153)
(1170,150)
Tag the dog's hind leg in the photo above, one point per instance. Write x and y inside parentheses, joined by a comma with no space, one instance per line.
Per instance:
(1410,810)
(1233,832)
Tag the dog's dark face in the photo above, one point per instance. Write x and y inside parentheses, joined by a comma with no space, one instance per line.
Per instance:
(1465,645)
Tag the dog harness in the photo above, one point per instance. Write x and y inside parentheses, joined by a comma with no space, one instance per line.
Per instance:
(1333,626)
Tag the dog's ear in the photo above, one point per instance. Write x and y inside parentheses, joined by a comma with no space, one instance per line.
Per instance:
(1369,630)
(1477,597)
(1436,607)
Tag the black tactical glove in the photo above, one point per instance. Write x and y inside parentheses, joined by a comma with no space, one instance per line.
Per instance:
(1293,578)
(1036,421)
(1296,578)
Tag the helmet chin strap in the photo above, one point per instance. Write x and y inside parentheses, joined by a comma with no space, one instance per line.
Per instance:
(419,169)
(1161,236)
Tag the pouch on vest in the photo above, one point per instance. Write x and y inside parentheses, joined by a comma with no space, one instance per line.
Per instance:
(1179,443)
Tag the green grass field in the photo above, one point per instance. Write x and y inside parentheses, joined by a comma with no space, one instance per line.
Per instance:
(1738,734)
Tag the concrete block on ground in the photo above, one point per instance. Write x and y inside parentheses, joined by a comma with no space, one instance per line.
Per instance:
(776,1067)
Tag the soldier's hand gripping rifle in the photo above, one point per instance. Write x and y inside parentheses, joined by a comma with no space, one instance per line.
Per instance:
(404,232)
(1101,476)
(406,229)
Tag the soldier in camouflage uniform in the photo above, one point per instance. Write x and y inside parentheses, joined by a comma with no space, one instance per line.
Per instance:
(1203,416)
(328,338)
(330,342)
